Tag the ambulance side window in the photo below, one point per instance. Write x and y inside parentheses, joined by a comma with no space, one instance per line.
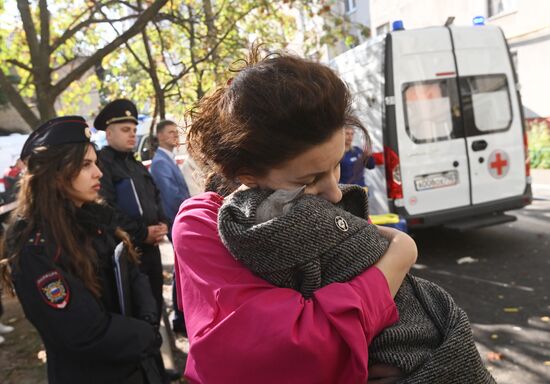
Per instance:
(487,106)
(432,110)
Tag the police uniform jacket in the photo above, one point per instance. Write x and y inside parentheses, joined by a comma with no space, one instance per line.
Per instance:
(118,168)
(87,340)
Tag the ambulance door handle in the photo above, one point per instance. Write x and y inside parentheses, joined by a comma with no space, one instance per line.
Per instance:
(479,145)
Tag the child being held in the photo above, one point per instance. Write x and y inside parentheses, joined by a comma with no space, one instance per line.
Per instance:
(304,242)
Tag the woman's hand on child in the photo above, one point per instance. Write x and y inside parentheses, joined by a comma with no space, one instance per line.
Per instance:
(398,259)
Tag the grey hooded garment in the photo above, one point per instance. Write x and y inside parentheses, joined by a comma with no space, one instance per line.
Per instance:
(315,243)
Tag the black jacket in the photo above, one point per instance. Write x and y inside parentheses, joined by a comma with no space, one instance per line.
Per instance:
(118,166)
(87,339)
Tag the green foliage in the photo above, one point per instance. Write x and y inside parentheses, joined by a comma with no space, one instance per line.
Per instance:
(539,143)
(192,52)
(192,46)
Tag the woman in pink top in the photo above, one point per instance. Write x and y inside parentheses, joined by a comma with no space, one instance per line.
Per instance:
(279,124)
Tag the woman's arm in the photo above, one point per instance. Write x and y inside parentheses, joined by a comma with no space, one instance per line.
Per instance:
(398,259)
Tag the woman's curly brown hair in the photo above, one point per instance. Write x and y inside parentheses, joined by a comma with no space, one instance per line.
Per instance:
(274,109)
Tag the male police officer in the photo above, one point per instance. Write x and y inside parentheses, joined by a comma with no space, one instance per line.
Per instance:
(129,188)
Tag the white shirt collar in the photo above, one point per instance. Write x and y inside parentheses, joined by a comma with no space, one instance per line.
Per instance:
(169,153)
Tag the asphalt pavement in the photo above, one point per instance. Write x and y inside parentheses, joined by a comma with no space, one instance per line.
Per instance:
(500,276)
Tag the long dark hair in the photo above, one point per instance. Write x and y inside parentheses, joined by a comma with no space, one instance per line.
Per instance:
(273,110)
(43,203)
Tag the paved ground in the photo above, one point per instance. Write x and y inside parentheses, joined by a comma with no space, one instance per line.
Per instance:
(500,276)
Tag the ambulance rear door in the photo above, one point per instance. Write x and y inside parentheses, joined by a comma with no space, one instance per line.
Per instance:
(491,114)
(427,133)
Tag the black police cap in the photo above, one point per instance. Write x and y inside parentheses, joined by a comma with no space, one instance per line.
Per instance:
(61,130)
(117,111)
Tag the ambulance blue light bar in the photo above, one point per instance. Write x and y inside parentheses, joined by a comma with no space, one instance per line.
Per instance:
(397,25)
(479,20)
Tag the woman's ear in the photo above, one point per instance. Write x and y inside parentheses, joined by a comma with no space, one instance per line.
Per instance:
(248,180)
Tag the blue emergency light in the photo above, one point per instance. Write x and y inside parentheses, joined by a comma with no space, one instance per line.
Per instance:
(397,25)
(479,20)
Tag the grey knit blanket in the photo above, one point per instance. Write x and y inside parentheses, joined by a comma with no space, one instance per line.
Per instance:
(315,243)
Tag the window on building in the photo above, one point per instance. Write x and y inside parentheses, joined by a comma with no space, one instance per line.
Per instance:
(350,5)
(496,7)
(382,29)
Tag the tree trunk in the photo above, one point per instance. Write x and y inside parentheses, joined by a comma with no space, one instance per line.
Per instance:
(39,48)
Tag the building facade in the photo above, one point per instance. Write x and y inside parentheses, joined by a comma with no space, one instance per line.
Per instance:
(525,24)
(358,13)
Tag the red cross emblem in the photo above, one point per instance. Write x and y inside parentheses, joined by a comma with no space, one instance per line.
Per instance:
(499,163)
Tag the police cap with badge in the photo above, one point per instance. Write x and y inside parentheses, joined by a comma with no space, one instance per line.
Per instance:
(117,111)
(57,131)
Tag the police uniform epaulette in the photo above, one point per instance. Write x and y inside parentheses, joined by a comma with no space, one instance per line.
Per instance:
(36,239)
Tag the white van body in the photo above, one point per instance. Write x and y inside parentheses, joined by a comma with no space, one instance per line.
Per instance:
(443,109)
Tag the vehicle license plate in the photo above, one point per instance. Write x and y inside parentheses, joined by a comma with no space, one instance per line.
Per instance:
(436,180)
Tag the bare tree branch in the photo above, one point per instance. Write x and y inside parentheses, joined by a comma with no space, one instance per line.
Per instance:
(28,27)
(69,33)
(130,5)
(44,28)
(17,101)
(129,47)
(26,83)
(91,10)
(162,49)
(168,86)
(19,64)
(66,62)
(140,23)
(176,19)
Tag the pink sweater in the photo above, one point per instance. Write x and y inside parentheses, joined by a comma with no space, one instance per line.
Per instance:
(244,330)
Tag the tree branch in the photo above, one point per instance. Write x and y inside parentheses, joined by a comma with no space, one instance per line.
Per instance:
(19,64)
(168,86)
(130,5)
(176,19)
(17,101)
(67,62)
(30,30)
(44,28)
(140,23)
(91,9)
(129,47)
(83,24)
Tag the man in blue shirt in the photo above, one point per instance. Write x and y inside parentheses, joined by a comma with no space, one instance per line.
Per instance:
(352,164)
(166,173)
(173,189)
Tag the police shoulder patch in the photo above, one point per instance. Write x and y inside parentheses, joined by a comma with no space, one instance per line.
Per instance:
(53,289)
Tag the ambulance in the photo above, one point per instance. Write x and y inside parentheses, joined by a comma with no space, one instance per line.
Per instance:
(443,109)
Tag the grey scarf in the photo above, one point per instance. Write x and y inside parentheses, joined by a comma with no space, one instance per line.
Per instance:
(315,243)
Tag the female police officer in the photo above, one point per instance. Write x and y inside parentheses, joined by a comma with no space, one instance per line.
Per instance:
(92,307)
